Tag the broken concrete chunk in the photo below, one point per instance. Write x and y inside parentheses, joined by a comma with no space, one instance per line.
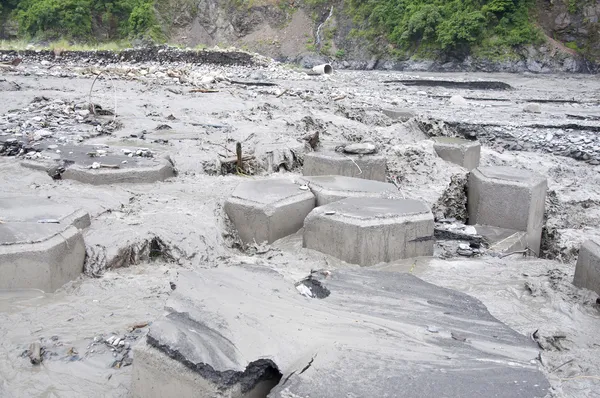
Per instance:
(369,167)
(508,198)
(328,189)
(399,114)
(459,151)
(458,100)
(587,271)
(264,211)
(219,339)
(368,231)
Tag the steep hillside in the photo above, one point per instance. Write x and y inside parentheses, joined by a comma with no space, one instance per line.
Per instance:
(495,35)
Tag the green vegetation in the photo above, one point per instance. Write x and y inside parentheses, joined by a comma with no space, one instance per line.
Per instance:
(426,26)
(85,20)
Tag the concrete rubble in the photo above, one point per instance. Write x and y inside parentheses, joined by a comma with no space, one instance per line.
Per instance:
(422,339)
(230,207)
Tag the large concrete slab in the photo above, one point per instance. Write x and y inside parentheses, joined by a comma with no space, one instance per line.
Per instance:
(328,189)
(267,210)
(114,165)
(459,151)
(508,198)
(377,334)
(41,245)
(368,231)
(369,167)
(587,271)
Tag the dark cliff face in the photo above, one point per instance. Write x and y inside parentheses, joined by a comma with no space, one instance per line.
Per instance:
(574,23)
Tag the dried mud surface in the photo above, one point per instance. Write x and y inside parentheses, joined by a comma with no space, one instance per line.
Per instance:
(142,235)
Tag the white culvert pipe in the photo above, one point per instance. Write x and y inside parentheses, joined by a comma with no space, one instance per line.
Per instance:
(324,69)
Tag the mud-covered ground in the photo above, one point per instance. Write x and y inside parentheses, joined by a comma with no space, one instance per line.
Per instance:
(196,114)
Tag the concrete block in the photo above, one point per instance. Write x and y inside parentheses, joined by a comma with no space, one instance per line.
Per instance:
(79,166)
(509,198)
(41,246)
(368,167)
(462,152)
(587,271)
(399,113)
(368,231)
(328,189)
(268,210)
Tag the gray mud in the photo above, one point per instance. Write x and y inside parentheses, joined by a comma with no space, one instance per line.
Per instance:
(143,234)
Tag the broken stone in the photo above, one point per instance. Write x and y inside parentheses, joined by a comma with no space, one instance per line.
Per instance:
(532,108)
(458,100)
(361,148)
(368,231)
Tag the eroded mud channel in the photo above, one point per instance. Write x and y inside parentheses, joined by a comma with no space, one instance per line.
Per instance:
(252,230)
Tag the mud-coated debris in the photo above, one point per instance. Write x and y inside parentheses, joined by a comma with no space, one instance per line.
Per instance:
(35,353)
(458,336)
(163,127)
(533,288)
(549,341)
(361,149)
(172,285)
(532,108)
(432,329)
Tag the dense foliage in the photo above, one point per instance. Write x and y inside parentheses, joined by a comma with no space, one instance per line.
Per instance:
(84,19)
(445,24)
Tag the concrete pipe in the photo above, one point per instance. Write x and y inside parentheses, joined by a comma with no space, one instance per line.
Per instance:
(324,69)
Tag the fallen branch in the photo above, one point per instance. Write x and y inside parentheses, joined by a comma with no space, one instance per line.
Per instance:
(252,83)
(283,92)
(203,90)
(91,106)
(524,252)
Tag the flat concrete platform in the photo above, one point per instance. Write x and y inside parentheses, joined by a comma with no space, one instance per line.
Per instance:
(508,198)
(376,334)
(368,231)
(368,167)
(41,245)
(267,210)
(328,189)
(459,151)
(587,270)
(115,166)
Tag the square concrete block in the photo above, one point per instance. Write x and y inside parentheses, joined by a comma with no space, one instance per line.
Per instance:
(401,114)
(462,152)
(264,211)
(329,189)
(368,231)
(587,271)
(509,198)
(41,246)
(368,167)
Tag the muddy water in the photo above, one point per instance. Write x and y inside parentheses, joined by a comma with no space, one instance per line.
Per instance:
(186,213)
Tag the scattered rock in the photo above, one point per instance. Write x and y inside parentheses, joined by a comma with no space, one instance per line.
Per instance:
(361,149)
(532,108)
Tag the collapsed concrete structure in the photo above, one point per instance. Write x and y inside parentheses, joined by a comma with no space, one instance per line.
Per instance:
(510,199)
(368,231)
(240,331)
(369,167)
(459,151)
(264,211)
(41,245)
(587,270)
(328,189)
